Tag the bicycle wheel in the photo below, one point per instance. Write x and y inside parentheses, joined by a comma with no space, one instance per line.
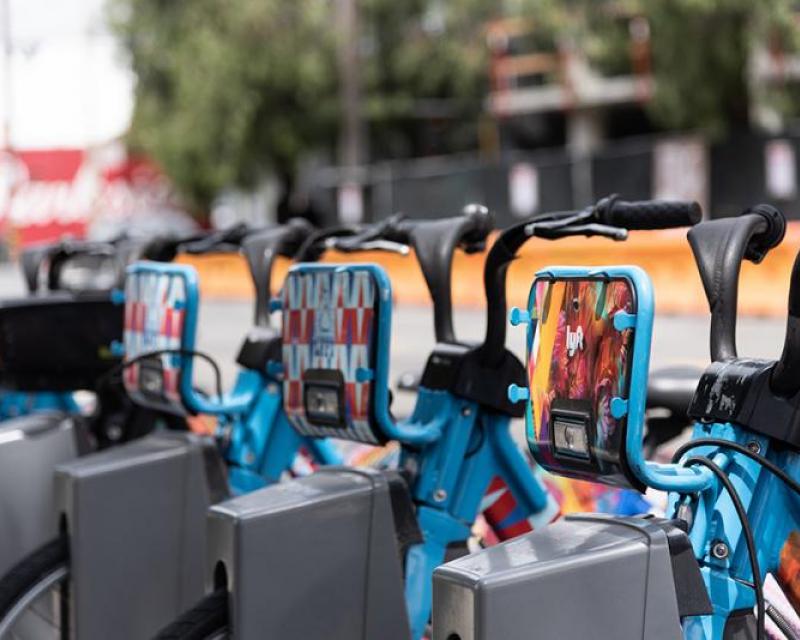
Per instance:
(207,620)
(34,594)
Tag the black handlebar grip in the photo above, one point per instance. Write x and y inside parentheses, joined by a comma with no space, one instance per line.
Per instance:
(770,237)
(482,224)
(648,214)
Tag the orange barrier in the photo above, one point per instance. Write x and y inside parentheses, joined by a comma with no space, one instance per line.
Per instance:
(665,255)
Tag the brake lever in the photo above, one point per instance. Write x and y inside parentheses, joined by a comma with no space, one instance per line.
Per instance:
(368,245)
(550,232)
(604,230)
(561,223)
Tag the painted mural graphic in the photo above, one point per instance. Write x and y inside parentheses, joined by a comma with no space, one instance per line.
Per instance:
(577,363)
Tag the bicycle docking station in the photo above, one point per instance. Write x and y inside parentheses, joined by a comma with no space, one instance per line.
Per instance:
(28,446)
(132,513)
(44,342)
(583,588)
(316,557)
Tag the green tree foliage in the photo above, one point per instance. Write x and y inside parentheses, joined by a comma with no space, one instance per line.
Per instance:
(226,90)
(701,51)
(425,61)
(229,89)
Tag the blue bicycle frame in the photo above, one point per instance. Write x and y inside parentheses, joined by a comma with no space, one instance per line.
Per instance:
(14,404)
(457,448)
(474,449)
(261,445)
(773,509)
(774,513)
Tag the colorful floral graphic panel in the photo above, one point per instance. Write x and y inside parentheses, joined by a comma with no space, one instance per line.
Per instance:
(577,363)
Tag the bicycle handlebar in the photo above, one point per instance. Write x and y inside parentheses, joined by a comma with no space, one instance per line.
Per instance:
(474,226)
(434,242)
(785,380)
(719,247)
(610,217)
(260,250)
(260,247)
(647,214)
(53,256)
(165,249)
(469,230)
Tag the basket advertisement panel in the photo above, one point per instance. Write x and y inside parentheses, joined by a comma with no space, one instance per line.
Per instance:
(578,372)
(158,301)
(330,340)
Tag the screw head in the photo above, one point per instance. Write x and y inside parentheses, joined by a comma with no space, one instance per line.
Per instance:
(754,446)
(720,550)
(440,495)
(114,432)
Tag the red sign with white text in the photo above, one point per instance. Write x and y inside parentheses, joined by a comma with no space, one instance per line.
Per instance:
(50,194)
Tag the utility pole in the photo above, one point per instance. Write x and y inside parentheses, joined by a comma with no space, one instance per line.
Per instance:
(7,95)
(351,135)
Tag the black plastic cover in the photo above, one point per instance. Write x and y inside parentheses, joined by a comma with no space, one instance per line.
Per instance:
(216,472)
(690,588)
(404,513)
(59,342)
(739,391)
(441,369)
(740,625)
(461,370)
(261,345)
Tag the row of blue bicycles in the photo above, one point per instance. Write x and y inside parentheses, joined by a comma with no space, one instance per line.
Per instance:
(120,520)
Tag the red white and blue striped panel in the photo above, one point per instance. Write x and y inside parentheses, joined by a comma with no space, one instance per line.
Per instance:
(155,308)
(329,323)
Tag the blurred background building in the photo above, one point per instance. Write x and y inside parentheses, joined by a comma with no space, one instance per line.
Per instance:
(144,114)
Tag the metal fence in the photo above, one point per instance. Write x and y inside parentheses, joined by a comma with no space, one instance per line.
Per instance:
(726,178)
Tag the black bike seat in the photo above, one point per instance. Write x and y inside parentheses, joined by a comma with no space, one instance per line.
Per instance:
(672,388)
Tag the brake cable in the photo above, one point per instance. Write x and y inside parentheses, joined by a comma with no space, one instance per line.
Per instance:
(735,446)
(747,531)
(758,458)
(191,353)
